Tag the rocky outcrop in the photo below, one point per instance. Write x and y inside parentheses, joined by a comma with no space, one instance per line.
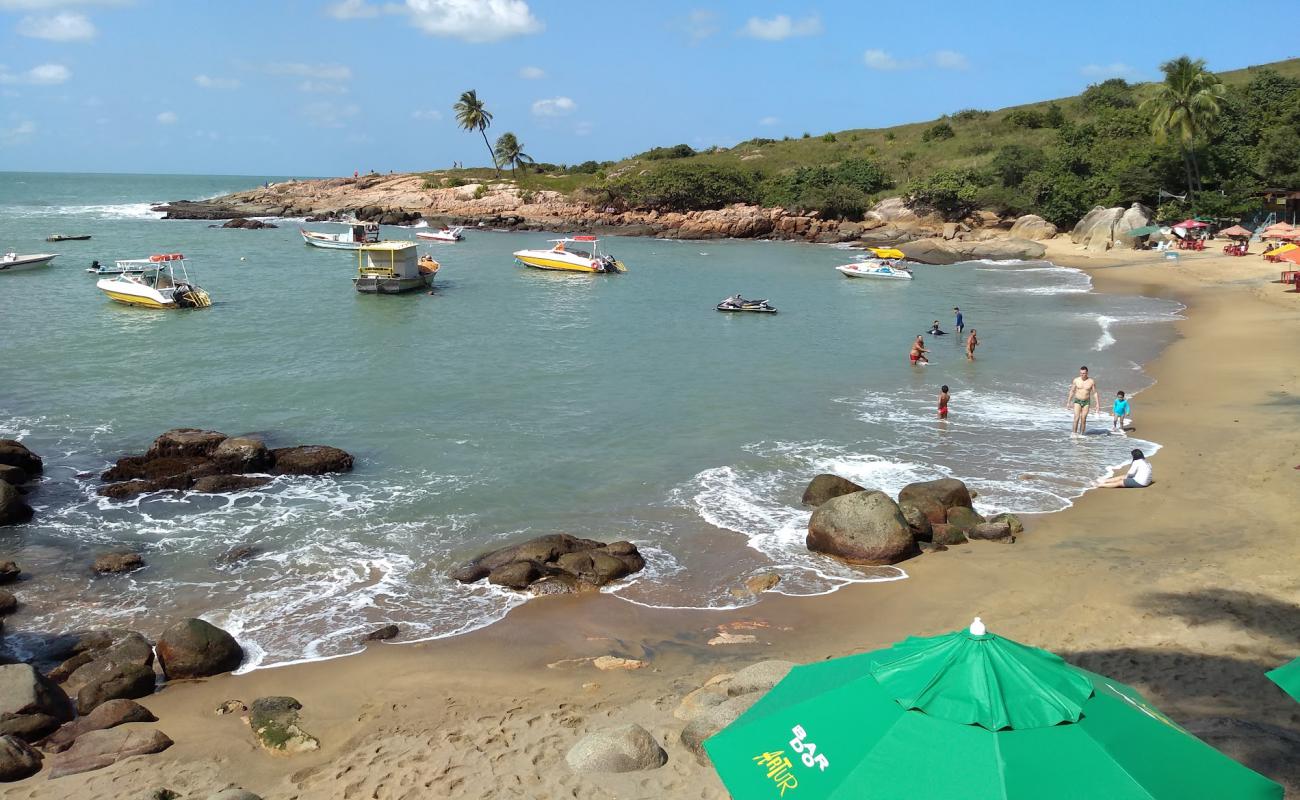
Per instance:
(8,602)
(194,648)
(18,759)
(274,722)
(117,563)
(31,705)
(1104,228)
(102,748)
(107,715)
(14,453)
(247,224)
(941,494)
(938,251)
(9,571)
(190,459)
(964,519)
(1013,522)
(554,564)
(107,665)
(1032,227)
(863,527)
(13,508)
(827,486)
(625,748)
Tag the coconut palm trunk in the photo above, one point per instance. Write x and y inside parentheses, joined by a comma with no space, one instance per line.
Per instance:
(495,165)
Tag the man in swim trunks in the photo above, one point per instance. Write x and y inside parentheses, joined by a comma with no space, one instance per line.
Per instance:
(918,352)
(943,402)
(1082,397)
(971,342)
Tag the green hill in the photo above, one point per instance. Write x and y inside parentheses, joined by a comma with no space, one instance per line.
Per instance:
(1057,158)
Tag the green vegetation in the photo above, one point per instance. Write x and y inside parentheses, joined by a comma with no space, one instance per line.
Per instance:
(509,151)
(1056,158)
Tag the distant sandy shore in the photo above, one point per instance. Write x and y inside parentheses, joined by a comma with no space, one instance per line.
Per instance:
(1189,590)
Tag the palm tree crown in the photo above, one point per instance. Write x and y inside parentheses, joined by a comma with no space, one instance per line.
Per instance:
(1185,107)
(509,151)
(472,115)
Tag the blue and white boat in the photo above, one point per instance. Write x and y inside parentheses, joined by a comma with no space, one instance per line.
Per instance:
(876,268)
(354,238)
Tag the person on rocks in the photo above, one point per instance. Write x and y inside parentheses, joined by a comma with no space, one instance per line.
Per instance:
(917,355)
(1137,477)
(971,342)
(1080,400)
(943,401)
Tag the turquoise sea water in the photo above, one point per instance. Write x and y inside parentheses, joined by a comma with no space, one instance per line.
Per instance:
(510,403)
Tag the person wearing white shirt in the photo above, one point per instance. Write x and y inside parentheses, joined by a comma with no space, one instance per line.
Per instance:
(1137,477)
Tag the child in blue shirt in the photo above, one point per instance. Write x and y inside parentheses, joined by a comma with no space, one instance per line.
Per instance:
(1121,413)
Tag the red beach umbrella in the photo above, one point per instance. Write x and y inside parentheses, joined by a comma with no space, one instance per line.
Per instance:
(1236,232)
(1191,223)
(1291,255)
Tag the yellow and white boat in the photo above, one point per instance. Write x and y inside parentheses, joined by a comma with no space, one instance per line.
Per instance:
(156,284)
(567,255)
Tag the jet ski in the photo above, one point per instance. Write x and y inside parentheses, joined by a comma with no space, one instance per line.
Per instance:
(738,303)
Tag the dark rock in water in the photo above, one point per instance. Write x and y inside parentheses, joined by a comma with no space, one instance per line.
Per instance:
(470,573)
(101,748)
(626,748)
(224,484)
(17,759)
(917,521)
(117,563)
(248,224)
(9,572)
(1012,521)
(130,489)
(274,721)
(14,476)
(113,681)
(8,603)
(992,531)
(559,584)
(238,555)
(515,575)
(566,563)
(152,468)
(826,486)
(30,703)
(310,459)
(947,492)
(109,714)
(383,634)
(242,454)
(15,454)
(193,648)
(864,527)
(964,519)
(13,508)
(945,534)
(185,442)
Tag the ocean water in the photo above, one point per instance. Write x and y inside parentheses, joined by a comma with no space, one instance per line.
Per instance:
(508,404)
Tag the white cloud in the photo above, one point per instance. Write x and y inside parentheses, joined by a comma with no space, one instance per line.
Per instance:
(781,27)
(427,114)
(352,9)
(1115,70)
(532,73)
(879,59)
(950,59)
(19,133)
(327,72)
(769,121)
(699,25)
(326,114)
(554,107)
(66,26)
(43,75)
(474,20)
(167,118)
(208,82)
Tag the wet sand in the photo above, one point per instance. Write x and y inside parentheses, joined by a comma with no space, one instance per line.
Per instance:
(1188,590)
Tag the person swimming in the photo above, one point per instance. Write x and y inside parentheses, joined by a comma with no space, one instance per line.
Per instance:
(934,329)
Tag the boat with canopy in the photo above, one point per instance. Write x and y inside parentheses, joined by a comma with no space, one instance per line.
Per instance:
(393,268)
(162,281)
(568,255)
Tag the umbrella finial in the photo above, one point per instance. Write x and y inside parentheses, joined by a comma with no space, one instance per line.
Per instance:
(977,627)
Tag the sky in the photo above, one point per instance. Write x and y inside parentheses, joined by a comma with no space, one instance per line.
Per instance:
(325,87)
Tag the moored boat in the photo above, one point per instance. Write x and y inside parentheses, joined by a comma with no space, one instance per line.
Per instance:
(118,267)
(59,237)
(157,285)
(443,234)
(12,262)
(392,268)
(354,238)
(876,268)
(566,258)
(736,303)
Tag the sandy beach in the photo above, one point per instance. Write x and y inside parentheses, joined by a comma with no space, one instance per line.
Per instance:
(1188,590)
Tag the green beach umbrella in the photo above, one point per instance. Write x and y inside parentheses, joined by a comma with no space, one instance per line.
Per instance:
(1143,231)
(967,716)
(1287,676)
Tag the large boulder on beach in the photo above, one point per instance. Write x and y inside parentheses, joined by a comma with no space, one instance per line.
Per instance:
(554,564)
(185,442)
(14,453)
(625,748)
(194,648)
(944,493)
(938,251)
(713,719)
(759,677)
(864,527)
(107,715)
(102,748)
(31,705)
(1135,216)
(825,486)
(113,681)
(310,459)
(18,759)
(1032,227)
(1012,521)
(105,645)
(964,519)
(13,508)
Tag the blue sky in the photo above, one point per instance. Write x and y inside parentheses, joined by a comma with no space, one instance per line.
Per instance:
(322,87)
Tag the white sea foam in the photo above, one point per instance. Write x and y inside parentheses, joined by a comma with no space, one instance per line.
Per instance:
(109,211)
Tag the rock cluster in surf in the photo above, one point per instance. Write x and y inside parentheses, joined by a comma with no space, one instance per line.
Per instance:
(19,467)
(866,526)
(190,459)
(554,564)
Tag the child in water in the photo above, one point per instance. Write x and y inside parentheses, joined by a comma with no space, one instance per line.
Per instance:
(1121,412)
(943,401)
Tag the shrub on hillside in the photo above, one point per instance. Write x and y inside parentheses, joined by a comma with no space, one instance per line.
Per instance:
(938,131)
(661,153)
(840,191)
(970,115)
(687,186)
(1113,93)
(951,192)
(1026,118)
(1014,161)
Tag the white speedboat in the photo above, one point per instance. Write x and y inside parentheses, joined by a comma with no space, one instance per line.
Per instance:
(353,238)
(443,234)
(164,282)
(876,268)
(566,255)
(12,262)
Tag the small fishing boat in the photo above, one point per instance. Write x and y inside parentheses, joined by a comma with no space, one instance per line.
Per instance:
(164,282)
(736,303)
(12,262)
(566,258)
(876,268)
(59,237)
(354,238)
(118,267)
(443,234)
(392,268)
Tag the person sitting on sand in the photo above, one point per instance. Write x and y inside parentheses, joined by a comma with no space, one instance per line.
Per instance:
(943,401)
(1121,413)
(918,352)
(934,329)
(971,342)
(1137,477)
(1081,397)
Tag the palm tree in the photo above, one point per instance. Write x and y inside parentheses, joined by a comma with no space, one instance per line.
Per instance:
(1185,107)
(472,115)
(510,152)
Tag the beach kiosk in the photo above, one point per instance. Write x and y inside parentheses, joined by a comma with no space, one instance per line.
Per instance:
(392,268)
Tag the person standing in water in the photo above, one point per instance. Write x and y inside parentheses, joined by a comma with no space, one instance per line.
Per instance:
(971,342)
(1081,398)
(1121,411)
(960,324)
(917,355)
(943,401)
